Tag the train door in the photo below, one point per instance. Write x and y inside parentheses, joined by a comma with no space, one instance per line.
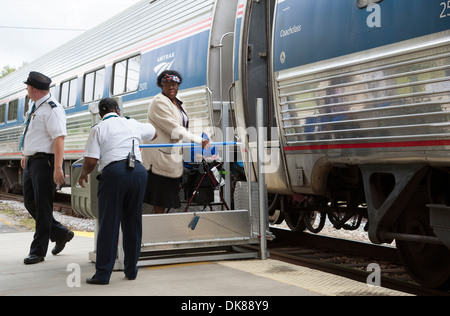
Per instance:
(221,55)
(252,79)
(251,60)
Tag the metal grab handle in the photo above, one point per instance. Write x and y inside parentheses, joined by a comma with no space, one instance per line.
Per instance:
(190,145)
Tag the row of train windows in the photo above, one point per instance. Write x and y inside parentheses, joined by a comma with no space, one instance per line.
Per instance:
(125,79)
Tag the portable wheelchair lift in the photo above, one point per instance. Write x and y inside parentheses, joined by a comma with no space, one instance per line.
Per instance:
(194,236)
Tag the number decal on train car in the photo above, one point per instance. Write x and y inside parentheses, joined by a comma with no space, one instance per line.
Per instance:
(445,9)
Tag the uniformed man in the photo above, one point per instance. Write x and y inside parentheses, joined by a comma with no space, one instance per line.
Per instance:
(114,144)
(42,145)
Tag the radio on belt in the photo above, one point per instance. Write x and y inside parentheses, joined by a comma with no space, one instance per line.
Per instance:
(131,159)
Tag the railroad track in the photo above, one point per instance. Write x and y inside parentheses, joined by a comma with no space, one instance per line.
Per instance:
(62,202)
(346,258)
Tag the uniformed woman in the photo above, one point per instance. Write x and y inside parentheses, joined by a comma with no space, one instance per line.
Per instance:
(112,143)
(42,144)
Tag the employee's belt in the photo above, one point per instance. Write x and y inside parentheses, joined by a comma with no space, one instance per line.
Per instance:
(115,162)
(40,155)
(118,161)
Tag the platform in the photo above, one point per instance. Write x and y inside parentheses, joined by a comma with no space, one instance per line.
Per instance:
(65,275)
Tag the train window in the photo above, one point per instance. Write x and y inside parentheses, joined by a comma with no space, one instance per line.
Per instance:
(69,93)
(119,77)
(2,113)
(134,67)
(93,85)
(12,110)
(365,3)
(126,75)
(53,91)
(26,106)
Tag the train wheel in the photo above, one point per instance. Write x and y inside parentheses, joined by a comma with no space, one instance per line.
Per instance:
(7,186)
(275,214)
(428,264)
(294,221)
(292,214)
(347,222)
(315,221)
(276,217)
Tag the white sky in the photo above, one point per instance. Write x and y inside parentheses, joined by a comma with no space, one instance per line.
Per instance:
(21,40)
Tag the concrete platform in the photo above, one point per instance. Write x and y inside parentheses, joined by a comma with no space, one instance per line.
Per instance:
(65,275)
(6,226)
(57,274)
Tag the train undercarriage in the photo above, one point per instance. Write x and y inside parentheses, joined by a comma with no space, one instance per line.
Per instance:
(11,175)
(391,203)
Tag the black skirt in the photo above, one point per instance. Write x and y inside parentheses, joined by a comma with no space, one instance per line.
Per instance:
(162,191)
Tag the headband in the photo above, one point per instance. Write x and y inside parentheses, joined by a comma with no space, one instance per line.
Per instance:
(170,78)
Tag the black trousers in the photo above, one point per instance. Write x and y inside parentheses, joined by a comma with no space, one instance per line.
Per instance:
(120,198)
(38,193)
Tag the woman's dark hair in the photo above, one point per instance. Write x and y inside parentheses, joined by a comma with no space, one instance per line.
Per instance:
(107,105)
(168,72)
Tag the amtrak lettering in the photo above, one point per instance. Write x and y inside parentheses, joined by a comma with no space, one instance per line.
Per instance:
(166,57)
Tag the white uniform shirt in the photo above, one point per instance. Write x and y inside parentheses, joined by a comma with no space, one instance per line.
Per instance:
(47,123)
(112,139)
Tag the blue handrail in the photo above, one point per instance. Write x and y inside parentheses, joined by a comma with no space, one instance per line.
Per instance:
(186,145)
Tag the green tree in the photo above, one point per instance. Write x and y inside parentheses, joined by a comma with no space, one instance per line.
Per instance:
(6,71)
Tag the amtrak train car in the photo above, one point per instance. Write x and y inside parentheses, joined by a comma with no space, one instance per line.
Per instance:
(122,58)
(362,103)
(358,92)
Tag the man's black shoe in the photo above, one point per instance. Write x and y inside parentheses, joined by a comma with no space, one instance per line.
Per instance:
(96,281)
(33,259)
(60,244)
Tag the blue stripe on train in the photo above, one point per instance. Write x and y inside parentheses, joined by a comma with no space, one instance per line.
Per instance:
(308,31)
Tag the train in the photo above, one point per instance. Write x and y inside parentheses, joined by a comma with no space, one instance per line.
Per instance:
(356,98)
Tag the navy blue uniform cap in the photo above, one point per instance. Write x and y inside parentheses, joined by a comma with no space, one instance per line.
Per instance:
(38,81)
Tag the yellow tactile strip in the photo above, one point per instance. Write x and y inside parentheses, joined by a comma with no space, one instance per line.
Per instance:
(308,279)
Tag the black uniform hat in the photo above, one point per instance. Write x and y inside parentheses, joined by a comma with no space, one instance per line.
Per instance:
(38,81)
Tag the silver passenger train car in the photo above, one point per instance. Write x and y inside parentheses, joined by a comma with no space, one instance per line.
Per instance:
(122,58)
(358,91)
(356,104)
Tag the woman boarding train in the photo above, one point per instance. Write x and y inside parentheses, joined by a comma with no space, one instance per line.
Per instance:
(165,165)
